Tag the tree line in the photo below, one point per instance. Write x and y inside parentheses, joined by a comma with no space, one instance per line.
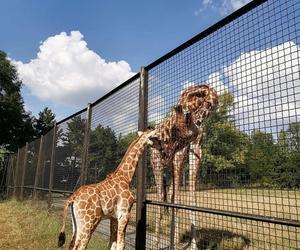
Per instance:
(232,157)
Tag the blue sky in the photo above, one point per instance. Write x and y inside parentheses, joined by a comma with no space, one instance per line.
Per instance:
(128,34)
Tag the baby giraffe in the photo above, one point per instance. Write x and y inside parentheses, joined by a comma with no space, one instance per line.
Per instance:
(110,198)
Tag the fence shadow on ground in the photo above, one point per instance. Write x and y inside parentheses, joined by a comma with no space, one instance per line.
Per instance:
(213,239)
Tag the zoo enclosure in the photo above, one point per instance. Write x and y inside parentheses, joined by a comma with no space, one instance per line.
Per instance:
(248,185)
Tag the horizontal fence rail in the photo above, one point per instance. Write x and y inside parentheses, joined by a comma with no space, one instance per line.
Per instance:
(232,179)
(271,220)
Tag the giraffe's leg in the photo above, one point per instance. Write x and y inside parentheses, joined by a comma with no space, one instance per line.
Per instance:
(113,234)
(195,157)
(82,238)
(85,226)
(84,235)
(158,175)
(122,224)
(178,163)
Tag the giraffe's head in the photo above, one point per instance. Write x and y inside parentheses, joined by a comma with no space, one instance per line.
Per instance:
(149,137)
(198,102)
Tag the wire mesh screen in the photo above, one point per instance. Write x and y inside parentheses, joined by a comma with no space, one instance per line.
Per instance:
(19,170)
(32,159)
(248,162)
(68,155)
(113,127)
(222,232)
(42,174)
(11,173)
(4,163)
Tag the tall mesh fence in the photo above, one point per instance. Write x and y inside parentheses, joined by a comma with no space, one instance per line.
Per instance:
(250,144)
(43,165)
(113,127)
(233,183)
(68,155)
(31,166)
(11,174)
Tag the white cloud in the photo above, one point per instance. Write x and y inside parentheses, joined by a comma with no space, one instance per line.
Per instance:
(223,7)
(236,4)
(206,4)
(214,80)
(155,112)
(267,86)
(66,71)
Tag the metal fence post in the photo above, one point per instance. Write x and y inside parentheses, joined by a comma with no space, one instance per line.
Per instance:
(38,167)
(53,149)
(16,172)
(24,171)
(140,242)
(86,143)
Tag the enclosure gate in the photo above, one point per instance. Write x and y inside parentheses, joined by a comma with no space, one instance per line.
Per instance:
(247,188)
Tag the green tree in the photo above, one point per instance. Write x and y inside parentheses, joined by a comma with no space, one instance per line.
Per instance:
(262,158)
(74,136)
(287,169)
(124,142)
(103,153)
(44,122)
(294,136)
(69,152)
(224,147)
(15,122)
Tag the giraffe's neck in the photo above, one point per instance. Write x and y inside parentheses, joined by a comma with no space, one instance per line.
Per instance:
(130,160)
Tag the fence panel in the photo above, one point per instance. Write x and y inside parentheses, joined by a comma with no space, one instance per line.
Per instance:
(11,174)
(42,182)
(113,127)
(4,163)
(31,165)
(250,144)
(68,155)
(19,171)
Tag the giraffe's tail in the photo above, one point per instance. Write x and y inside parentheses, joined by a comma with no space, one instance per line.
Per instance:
(62,235)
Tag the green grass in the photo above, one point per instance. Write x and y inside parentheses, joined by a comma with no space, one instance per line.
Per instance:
(28,225)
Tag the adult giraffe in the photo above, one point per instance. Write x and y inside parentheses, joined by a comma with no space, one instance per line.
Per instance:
(196,103)
(110,198)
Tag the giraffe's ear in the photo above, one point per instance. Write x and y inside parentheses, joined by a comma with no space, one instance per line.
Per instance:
(140,133)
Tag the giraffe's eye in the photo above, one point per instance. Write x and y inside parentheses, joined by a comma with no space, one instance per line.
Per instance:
(200,94)
(198,123)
